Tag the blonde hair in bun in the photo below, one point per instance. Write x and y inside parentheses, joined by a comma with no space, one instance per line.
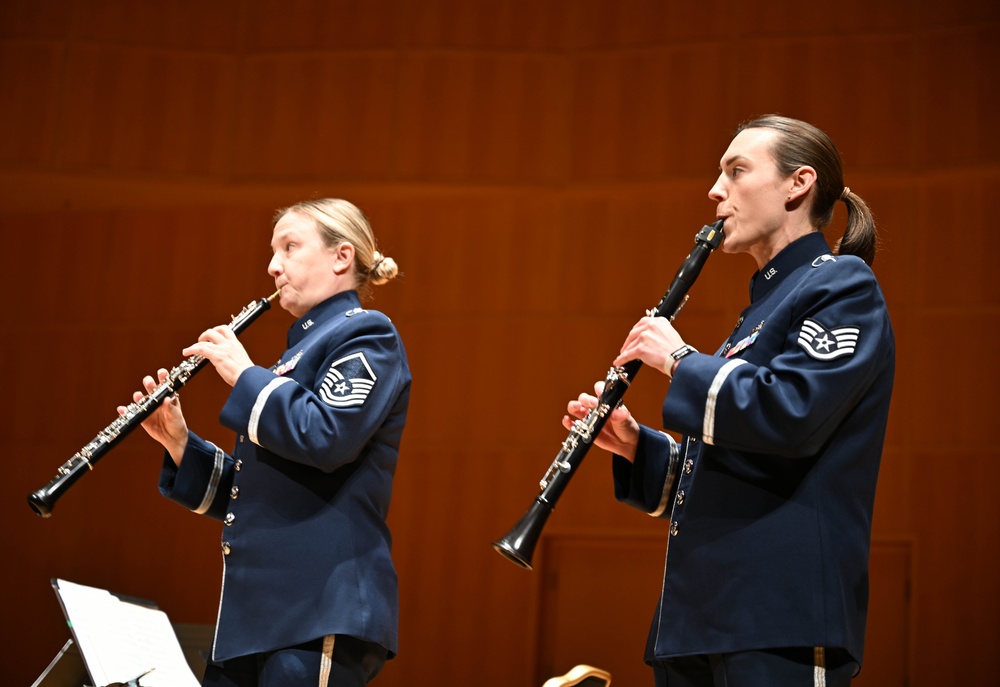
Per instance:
(338,221)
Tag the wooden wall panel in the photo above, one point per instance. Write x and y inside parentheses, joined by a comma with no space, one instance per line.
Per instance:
(954,102)
(145,111)
(956,608)
(796,76)
(539,172)
(522,25)
(599,25)
(185,24)
(30,75)
(315,116)
(482,118)
(954,222)
(634,112)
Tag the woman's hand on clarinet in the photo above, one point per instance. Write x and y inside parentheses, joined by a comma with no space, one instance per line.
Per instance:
(221,348)
(620,433)
(651,340)
(166,424)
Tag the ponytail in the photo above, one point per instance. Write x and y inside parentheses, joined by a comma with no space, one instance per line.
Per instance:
(860,237)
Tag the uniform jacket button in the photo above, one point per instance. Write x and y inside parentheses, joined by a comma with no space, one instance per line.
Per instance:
(674,528)
(230,519)
(226,548)
(688,466)
(680,497)
(239,464)
(234,493)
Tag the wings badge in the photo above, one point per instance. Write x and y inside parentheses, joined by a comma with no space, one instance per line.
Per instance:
(348,382)
(827,344)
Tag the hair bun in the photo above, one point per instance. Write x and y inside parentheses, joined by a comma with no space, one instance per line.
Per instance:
(382,269)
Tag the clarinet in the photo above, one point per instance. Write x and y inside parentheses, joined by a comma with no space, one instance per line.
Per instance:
(43,500)
(519,544)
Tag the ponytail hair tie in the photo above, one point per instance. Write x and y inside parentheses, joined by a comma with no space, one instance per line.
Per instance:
(846,192)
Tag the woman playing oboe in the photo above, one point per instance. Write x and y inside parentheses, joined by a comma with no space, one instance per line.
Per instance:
(309,593)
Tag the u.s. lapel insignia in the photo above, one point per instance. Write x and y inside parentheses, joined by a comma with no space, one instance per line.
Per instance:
(348,382)
(827,344)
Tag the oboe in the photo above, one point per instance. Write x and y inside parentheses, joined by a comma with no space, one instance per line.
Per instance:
(43,500)
(519,544)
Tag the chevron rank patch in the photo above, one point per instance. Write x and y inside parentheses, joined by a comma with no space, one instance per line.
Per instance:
(348,382)
(827,344)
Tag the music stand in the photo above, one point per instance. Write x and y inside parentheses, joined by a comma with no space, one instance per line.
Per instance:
(117,641)
(65,670)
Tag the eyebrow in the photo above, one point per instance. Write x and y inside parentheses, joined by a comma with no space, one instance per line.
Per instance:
(281,236)
(733,159)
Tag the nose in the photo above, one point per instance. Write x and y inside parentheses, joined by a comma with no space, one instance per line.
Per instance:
(718,192)
(274,267)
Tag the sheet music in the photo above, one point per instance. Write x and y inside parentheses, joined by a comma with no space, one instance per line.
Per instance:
(121,641)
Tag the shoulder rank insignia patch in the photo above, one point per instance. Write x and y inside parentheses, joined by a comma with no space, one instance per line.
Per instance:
(348,382)
(826,344)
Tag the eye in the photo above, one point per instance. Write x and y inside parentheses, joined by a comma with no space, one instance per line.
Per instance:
(736,172)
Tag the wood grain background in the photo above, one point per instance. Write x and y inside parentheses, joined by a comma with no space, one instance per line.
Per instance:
(538,170)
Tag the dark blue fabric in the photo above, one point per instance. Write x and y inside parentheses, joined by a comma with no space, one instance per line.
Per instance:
(354,664)
(794,667)
(307,540)
(769,544)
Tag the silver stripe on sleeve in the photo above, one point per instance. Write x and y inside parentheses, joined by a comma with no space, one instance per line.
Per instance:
(213,482)
(326,660)
(671,477)
(258,406)
(708,428)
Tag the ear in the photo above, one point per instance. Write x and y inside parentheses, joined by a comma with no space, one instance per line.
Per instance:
(343,258)
(801,181)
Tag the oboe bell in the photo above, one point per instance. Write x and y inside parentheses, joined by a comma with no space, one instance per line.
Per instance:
(43,500)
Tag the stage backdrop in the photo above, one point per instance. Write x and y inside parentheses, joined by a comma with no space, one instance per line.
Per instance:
(538,170)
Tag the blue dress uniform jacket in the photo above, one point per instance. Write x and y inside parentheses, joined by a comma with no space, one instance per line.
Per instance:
(770,512)
(305,494)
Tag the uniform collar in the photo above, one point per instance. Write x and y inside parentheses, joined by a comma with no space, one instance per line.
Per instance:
(799,252)
(338,304)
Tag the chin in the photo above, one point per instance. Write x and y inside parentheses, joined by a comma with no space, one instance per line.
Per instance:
(289,307)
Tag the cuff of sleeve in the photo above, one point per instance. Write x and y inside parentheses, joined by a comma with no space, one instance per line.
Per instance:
(197,481)
(639,483)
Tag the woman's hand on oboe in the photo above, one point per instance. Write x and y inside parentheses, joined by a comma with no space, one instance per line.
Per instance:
(220,347)
(620,433)
(166,424)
